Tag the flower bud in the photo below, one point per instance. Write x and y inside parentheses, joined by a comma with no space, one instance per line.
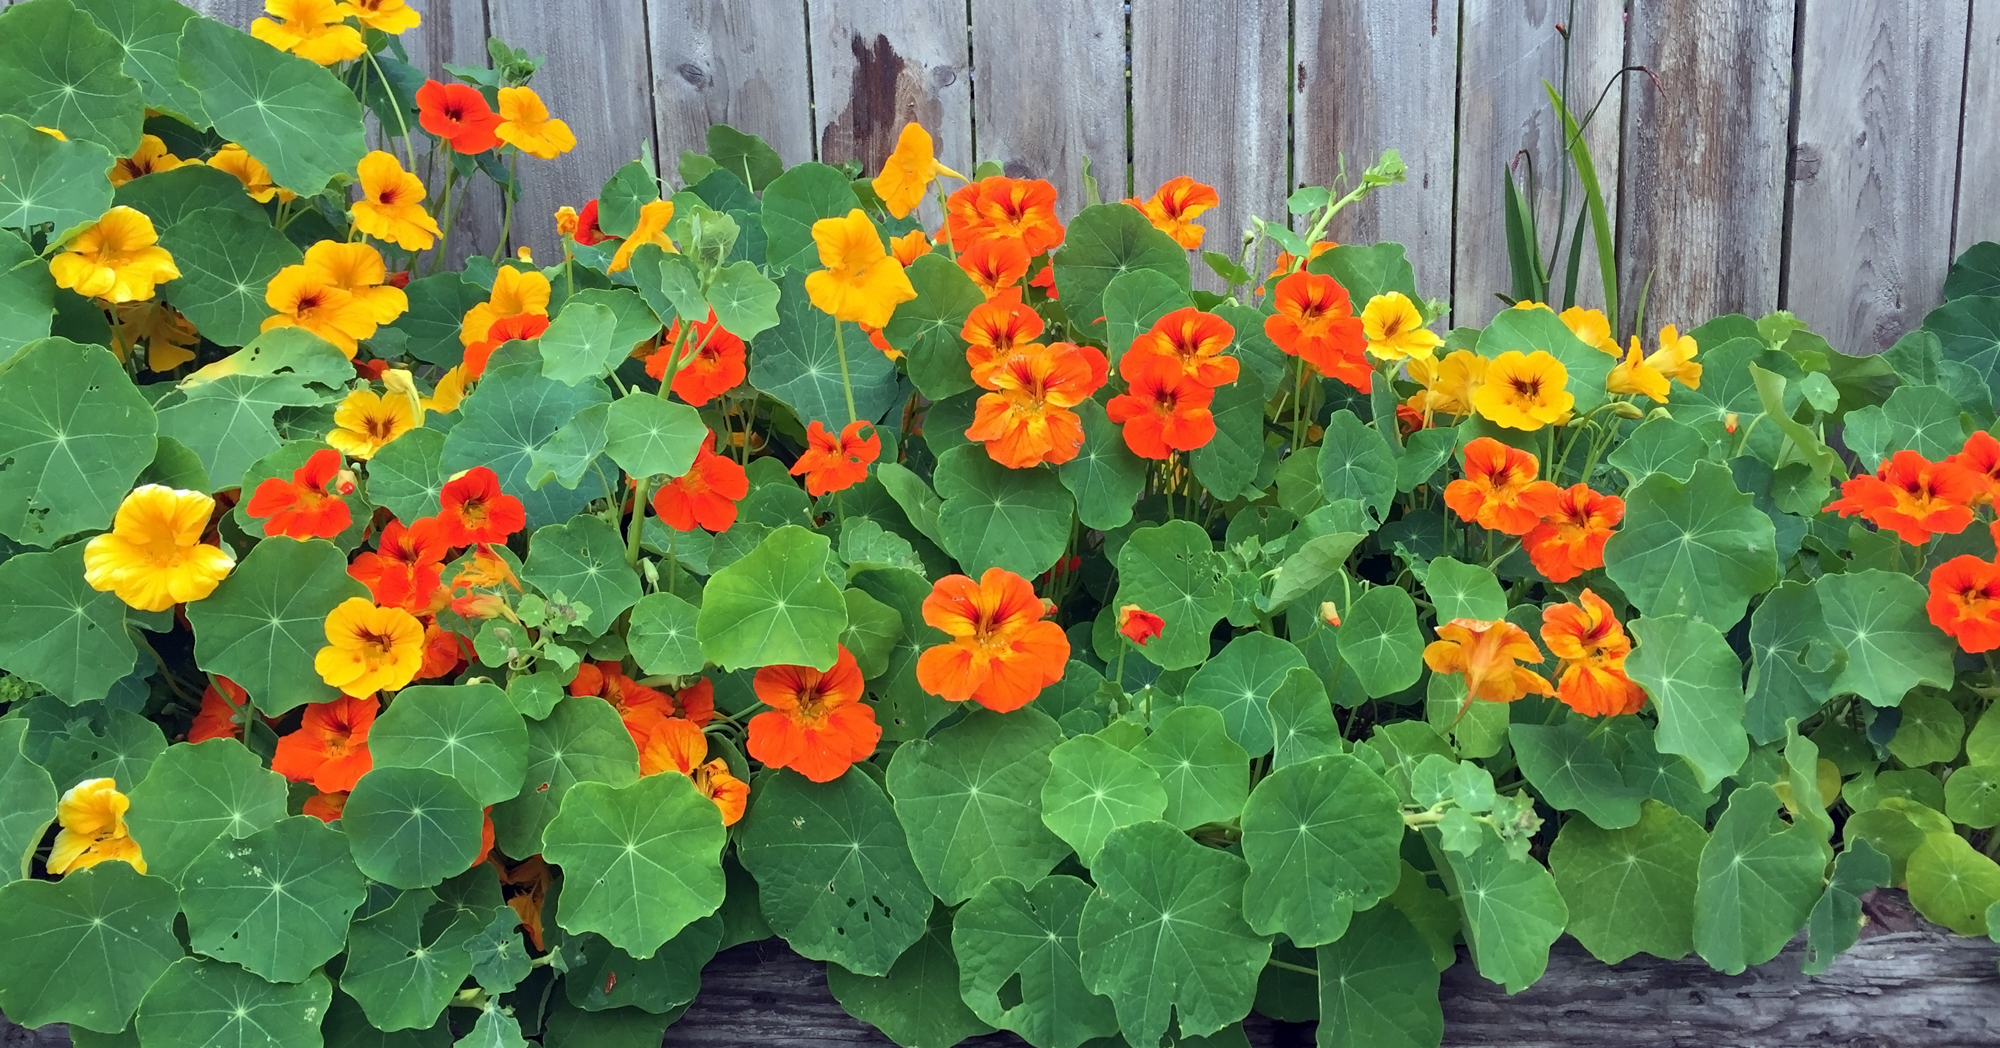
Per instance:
(1329,613)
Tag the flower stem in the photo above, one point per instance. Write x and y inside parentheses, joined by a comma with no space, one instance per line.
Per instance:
(638,525)
(846,383)
(409,148)
(507,212)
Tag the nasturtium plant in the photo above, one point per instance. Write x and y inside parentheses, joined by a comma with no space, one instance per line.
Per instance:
(934,574)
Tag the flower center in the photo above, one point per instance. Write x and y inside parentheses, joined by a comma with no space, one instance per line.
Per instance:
(382,427)
(1526,387)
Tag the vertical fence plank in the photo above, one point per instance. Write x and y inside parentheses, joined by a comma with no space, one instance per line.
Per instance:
(1374,77)
(455,33)
(1979,158)
(1509,49)
(878,64)
(595,78)
(1049,90)
(239,13)
(1705,152)
(1208,100)
(735,63)
(1875,167)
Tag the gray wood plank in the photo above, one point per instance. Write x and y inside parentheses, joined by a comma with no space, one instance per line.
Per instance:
(1703,200)
(1208,101)
(879,64)
(1876,165)
(1979,157)
(1375,76)
(1509,48)
(239,13)
(729,62)
(1050,91)
(453,32)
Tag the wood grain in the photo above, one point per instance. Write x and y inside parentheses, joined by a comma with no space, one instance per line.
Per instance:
(1209,90)
(730,62)
(1979,141)
(1048,92)
(455,32)
(878,64)
(1703,198)
(1371,77)
(1875,168)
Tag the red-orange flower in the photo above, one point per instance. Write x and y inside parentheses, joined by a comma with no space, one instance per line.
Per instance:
(994,264)
(640,707)
(518,328)
(326,807)
(308,506)
(1002,653)
(1488,654)
(706,495)
(679,745)
(998,326)
(1965,602)
(1981,455)
(1046,280)
(817,724)
(999,208)
(1173,207)
(1593,646)
(1914,497)
(1499,491)
(1163,410)
(458,114)
(696,702)
(836,463)
(1139,625)
(444,653)
(474,509)
(407,566)
(711,361)
(221,709)
(330,749)
(1315,322)
(1571,540)
(1197,341)
(485,837)
(1027,420)
(588,232)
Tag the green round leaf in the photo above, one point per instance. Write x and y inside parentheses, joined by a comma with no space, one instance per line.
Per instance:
(998,517)
(203,1002)
(926,328)
(1302,723)
(513,415)
(584,560)
(1205,773)
(47,181)
(27,292)
(1172,571)
(411,827)
(469,732)
(640,862)
(744,299)
(1011,933)
(1369,270)
(1136,300)
(1930,730)
(1381,641)
(406,477)
(795,200)
(1795,659)
(195,794)
(1512,910)
(228,422)
(917,1003)
(1238,681)
(295,117)
(798,361)
(1095,787)
(661,634)
(873,628)
(118,744)
(85,948)
(226,258)
(1759,878)
(401,977)
(1699,548)
(263,625)
(169,196)
(969,799)
(1877,618)
(149,32)
(1695,681)
(1972,796)
(1836,919)
(581,344)
(1952,884)
(1969,329)
(1573,773)
(59,69)
(1355,462)
(74,432)
(57,631)
(277,901)
(1322,839)
(1631,890)
(1231,463)
(581,740)
(438,304)
(602,976)
(1377,985)
(775,606)
(648,436)
(1102,242)
(27,802)
(1105,477)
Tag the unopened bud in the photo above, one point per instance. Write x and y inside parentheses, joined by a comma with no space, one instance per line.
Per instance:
(1329,613)
(1626,409)
(1729,422)
(343,482)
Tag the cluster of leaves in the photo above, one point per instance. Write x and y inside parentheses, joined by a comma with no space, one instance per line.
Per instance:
(1249,788)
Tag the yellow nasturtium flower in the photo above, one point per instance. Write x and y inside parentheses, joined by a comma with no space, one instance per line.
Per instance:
(306,297)
(369,648)
(250,171)
(358,269)
(861,281)
(92,816)
(153,557)
(1448,383)
(367,421)
(1592,327)
(1395,330)
(315,30)
(448,392)
(1650,374)
(168,337)
(150,158)
(909,171)
(652,229)
(1524,391)
(394,17)
(391,207)
(117,259)
(515,292)
(526,125)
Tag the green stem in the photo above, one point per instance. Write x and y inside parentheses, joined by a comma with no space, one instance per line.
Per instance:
(673,560)
(846,384)
(409,147)
(1290,967)
(444,209)
(1298,401)
(507,211)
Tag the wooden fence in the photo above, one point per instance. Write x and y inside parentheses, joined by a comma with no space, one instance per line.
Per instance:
(1824,156)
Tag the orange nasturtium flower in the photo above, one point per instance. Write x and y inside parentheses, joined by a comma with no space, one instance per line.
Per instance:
(1592,645)
(526,125)
(1315,322)
(1965,602)
(326,807)
(168,337)
(836,463)
(1499,491)
(909,172)
(366,422)
(153,557)
(861,282)
(1524,391)
(369,648)
(459,116)
(712,361)
(521,327)
(472,508)
(1163,409)
(817,724)
(1140,626)
(909,247)
(1197,341)
(315,30)
(391,207)
(117,259)
(1027,419)
(1002,653)
(250,171)
(1593,328)
(151,158)
(994,265)
(1571,540)
(444,652)
(654,215)
(220,716)
(640,707)
(1981,455)
(394,17)
(1286,261)
(680,745)
(330,748)
(1395,330)
(1640,372)
(1913,496)
(309,505)
(998,326)
(1489,655)
(1173,207)
(515,292)
(1000,208)
(92,816)
(706,495)
(406,567)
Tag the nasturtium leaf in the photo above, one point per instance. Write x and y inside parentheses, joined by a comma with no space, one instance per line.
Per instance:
(798,362)
(1172,571)
(347,1026)
(166,197)
(1512,910)
(1316,560)
(1877,618)
(1164,935)
(775,606)
(1377,986)
(500,958)
(873,628)
(1659,445)
(294,116)
(411,827)
(1105,477)
(1206,774)
(795,200)
(1572,772)
(1381,641)
(262,627)
(661,635)
(1368,270)
(47,181)
(514,414)
(1531,330)
(833,869)
(1302,724)
(1695,681)
(627,190)
(1103,242)
(470,732)
(1795,660)
(1133,302)
(602,976)
(1095,787)
(1836,919)
(203,1002)
(117,744)
(1238,682)
(57,631)
(27,802)
(438,304)
(993,516)
(1464,591)
(1663,776)
(569,1026)
(744,299)
(494,1029)
(581,740)
(1025,936)
(149,32)
(402,977)
(1971,796)
(27,291)
(196,793)
(277,901)
(1976,271)
(1930,730)
(74,433)
(288,352)
(647,436)
(917,1003)
(1759,880)
(59,69)
(84,949)
(926,328)
(226,258)
(969,799)
(1630,890)
(1924,419)
(1322,840)
(406,478)
(1355,462)
(1952,883)
(581,344)
(584,560)
(641,861)
(1699,548)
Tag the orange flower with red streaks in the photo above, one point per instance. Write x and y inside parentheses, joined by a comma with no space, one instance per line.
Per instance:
(521,327)
(1965,602)
(1197,341)
(444,653)
(326,807)
(308,506)
(1488,654)
(1163,410)
(817,724)
(711,362)
(706,495)
(1002,653)
(220,716)
(459,116)
(1173,208)
(1914,497)
(1027,419)
(1000,208)
(406,567)
(1981,455)
(998,326)
(1571,540)
(995,265)
(1139,625)
(472,508)
(1046,280)
(330,748)
(1499,491)
(680,746)
(836,462)
(640,707)
(1592,645)
(909,247)
(1315,322)
(696,702)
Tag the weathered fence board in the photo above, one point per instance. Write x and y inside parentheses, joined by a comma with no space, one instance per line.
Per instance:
(1979,140)
(728,62)
(878,64)
(1051,91)
(455,33)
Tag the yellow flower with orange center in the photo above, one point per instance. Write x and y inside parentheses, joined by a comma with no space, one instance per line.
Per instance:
(167,336)
(1524,391)
(909,171)
(516,292)
(150,158)
(153,557)
(92,816)
(366,422)
(358,269)
(1395,328)
(909,247)
(369,649)
(117,259)
(448,393)
(652,229)
(307,297)
(1448,383)
(315,30)
(391,207)
(250,171)
(1488,654)
(394,17)
(526,125)
(1651,374)
(861,282)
